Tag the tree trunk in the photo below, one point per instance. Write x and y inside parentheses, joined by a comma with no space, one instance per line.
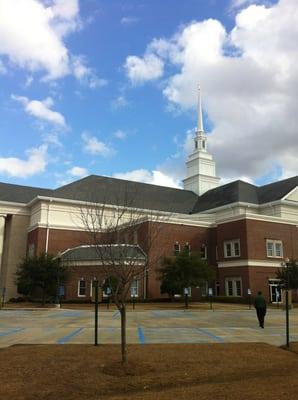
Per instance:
(123,334)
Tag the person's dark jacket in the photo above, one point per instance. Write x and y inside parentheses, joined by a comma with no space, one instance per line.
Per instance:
(260,302)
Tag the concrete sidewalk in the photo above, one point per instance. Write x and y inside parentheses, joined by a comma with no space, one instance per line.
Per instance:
(148,326)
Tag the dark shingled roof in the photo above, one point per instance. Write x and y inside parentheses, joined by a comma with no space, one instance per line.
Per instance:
(108,252)
(21,194)
(240,191)
(107,190)
(127,193)
(277,190)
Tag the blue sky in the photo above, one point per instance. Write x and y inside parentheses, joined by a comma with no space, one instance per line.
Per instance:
(110,88)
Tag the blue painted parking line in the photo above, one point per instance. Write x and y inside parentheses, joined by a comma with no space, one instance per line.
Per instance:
(11,331)
(211,335)
(168,314)
(141,335)
(69,336)
(66,314)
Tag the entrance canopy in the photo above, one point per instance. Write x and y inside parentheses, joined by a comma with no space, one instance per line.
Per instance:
(107,254)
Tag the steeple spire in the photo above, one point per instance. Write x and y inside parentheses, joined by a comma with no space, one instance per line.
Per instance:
(200,137)
(200,114)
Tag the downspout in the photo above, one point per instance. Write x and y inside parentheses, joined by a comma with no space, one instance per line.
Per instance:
(48,228)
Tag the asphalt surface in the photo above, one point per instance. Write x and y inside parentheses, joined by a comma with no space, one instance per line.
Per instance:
(62,326)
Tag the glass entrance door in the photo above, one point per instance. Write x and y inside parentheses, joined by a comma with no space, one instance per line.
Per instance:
(275,293)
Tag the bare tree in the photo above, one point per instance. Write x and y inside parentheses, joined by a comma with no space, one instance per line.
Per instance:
(123,235)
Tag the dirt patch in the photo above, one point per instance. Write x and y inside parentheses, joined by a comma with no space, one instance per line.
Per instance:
(159,372)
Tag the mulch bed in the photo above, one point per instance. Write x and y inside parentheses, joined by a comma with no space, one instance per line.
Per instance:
(159,372)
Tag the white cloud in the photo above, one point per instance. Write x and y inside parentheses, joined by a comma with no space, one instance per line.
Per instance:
(249,81)
(127,21)
(120,134)
(3,70)
(236,4)
(52,138)
(94,146)
(33,37)
(41,109)
(155,177)
(85,74)
(119,102)
(78,172)
(15,167)
(140,70)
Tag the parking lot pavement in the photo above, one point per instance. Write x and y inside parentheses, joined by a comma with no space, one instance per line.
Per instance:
(152,326)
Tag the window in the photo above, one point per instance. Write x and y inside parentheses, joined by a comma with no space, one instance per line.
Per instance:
(176,248)
(216,252)
(134,288)
(203,252)
(82,288)
(187,291)
(233,287)
(135,237)
(187,247)
(31,250)
(204,288)
(232,248)
(274,248)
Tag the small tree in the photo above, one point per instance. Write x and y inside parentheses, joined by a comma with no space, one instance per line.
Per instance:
(40,275)
(123,234)
(183,271)
(288,274)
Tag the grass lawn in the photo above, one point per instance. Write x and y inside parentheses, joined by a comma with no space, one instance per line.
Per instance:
(159,372)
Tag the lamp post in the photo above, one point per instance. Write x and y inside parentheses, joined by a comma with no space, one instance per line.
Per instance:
(286,265)
(95,286)
(57,297)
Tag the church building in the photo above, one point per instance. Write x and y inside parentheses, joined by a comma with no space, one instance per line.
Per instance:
(242,230)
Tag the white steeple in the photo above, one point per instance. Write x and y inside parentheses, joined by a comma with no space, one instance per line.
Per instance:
(200,138)
(201,175)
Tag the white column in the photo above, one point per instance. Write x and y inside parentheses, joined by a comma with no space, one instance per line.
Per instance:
(2,225)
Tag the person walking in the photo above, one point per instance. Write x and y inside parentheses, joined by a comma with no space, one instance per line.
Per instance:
(261,308)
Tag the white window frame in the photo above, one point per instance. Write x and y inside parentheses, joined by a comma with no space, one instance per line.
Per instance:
(188,291)
(232,244)
(203,246)
(134,284)
(234,286)
(179,248)
(31,249)
(79,281)
(187,247)
(274,253)
(204,288)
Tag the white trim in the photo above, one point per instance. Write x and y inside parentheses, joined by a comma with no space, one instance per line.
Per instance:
(233,279)
(289,194)
(204,246)
(232,243)
(258,217)
(249,263)
(82,295)
(274,242)
(137,288)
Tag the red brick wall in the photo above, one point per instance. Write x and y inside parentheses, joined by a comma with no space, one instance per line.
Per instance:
(259,231)
(164,246)
(230,231)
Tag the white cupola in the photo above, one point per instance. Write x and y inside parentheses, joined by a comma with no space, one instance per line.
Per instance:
(201,173)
